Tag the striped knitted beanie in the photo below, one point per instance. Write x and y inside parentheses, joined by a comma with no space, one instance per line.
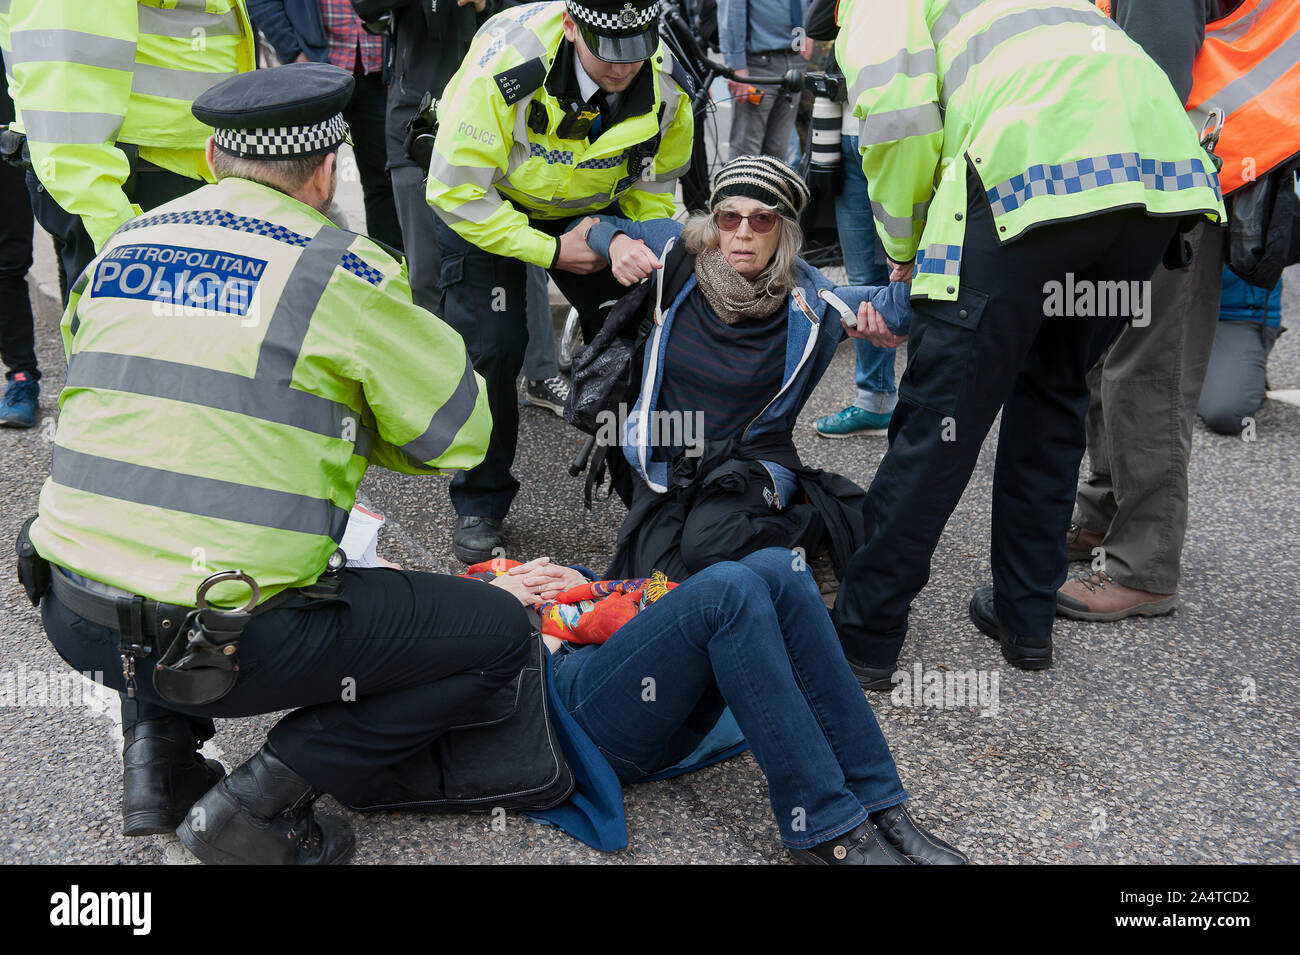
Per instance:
(763,178)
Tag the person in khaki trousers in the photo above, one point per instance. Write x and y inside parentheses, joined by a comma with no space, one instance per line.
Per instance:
(1131,512)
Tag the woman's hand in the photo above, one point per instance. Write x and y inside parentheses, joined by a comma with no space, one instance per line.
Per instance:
(549,579)
(631,259)
(872,327)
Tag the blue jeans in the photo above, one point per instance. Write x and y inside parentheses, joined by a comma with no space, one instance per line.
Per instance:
(753,635)
(873,370)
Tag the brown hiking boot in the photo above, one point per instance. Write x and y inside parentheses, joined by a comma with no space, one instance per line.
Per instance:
(823,571)
(1101,598)
(1079,542)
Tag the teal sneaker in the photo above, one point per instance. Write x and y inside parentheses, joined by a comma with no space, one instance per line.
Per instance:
(853,420)
(18,407)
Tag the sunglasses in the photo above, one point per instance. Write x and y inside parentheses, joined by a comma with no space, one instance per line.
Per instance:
(760,222)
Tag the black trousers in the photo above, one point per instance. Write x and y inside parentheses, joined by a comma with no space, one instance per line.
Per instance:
(151,188)
(373,676)
(365,115)
(484,298)
(995,348)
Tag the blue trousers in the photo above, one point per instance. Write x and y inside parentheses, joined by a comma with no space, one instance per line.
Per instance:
(873,368)
(753,635)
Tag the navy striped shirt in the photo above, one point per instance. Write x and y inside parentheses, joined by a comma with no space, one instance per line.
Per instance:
(727,372)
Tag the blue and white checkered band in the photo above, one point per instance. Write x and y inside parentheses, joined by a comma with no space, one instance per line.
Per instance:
(629,18)
(284,142)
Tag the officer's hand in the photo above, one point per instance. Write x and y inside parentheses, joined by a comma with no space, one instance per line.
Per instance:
(575,255)
(872,327)
(478,4)
(631,259)
(901,273)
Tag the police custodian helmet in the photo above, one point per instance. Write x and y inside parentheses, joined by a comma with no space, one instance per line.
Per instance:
(617,31)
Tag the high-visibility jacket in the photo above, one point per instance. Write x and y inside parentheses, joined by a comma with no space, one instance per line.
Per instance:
(1249,67)
(486,152)
(85,76)
(1060,114)
(234,362)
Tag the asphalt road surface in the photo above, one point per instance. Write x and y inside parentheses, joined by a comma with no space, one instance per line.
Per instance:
(1164,740)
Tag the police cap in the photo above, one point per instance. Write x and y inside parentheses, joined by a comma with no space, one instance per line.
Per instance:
(617,31)
(287,112)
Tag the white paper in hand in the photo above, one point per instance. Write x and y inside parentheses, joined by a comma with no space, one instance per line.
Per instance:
(361,537)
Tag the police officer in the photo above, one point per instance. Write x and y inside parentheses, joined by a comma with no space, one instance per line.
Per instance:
(104,99)
(235,361)
(558,111)
(1029,165)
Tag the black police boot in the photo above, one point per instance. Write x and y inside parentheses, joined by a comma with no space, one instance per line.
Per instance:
(1027,653)
(261,814)
(477,539)
(162,775)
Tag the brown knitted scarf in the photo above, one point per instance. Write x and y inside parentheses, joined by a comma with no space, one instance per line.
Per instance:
(733,297)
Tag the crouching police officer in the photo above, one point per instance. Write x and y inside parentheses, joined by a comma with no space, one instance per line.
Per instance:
(560,110)
(235,362)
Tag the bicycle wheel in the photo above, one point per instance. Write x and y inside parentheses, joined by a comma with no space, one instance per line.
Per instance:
(570,341)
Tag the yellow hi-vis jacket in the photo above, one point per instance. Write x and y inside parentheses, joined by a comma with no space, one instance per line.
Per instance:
(87,75)
(234,363)
(1060,114)
(486,152)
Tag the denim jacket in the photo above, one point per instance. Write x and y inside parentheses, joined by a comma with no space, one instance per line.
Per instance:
(814,332)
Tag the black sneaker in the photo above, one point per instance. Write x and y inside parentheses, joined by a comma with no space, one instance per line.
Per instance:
(550,394)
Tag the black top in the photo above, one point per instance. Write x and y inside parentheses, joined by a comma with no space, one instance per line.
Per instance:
(727,372)
(1171,32)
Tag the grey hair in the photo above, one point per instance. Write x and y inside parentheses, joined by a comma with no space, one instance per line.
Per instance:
(700,232)
(286,175)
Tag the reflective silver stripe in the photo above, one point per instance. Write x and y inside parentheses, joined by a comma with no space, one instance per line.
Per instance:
(599,200)
(201,496)
(900,123)
(298,301)
(528,43)
(70,46)
(904,63)
(1260,77)
(450,174)
(1239,29)
(656,185)
(49,126)
(174,84)
(898,227)
(982,44)
(672,174)
(4,7)
(447,420)
(226,391)
(951,16)
(187,24)
(476,210)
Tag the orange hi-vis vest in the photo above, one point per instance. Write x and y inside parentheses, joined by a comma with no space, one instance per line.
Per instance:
(1249,67)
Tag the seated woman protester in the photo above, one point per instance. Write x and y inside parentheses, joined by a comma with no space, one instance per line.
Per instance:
(726,372)
(754,636)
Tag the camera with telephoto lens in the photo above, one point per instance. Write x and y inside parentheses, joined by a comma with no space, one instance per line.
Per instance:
(829,86)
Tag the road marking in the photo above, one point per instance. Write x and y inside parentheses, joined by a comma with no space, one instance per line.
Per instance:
(1290,396)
